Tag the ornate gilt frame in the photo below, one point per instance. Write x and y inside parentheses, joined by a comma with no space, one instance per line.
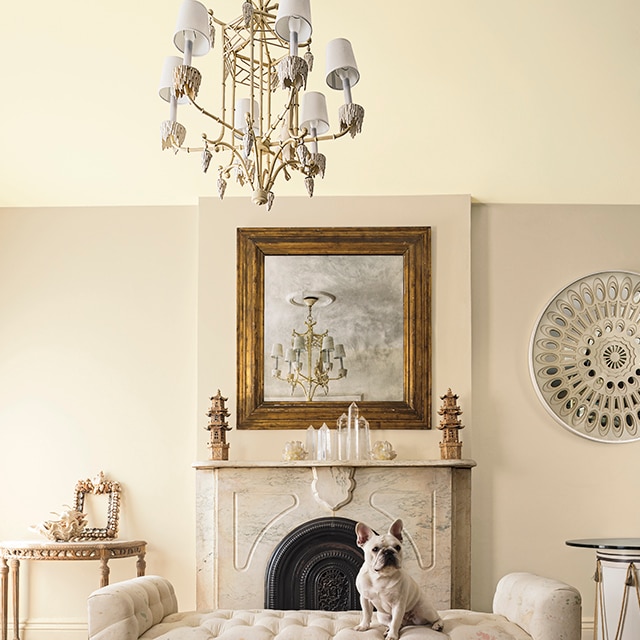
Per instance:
(253,244)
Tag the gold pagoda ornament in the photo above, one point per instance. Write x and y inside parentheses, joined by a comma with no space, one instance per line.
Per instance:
(450,447)
(218,427)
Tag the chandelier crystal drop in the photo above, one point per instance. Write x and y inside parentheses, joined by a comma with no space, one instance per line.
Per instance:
(269,124)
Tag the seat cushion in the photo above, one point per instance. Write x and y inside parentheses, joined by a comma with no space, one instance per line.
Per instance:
(260,624)
(471,625)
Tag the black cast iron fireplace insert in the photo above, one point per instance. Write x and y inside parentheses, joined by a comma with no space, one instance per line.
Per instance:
(315,567)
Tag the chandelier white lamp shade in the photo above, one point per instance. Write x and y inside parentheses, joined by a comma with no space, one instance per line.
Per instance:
(309,359)
(293,23)
(267,124)
(315,119)
(192,35)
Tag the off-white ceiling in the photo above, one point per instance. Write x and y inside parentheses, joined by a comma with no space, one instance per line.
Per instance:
(508,100)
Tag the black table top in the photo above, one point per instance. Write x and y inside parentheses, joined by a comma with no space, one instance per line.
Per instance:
(606,543)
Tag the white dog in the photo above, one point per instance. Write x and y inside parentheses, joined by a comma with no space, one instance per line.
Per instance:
(383,584)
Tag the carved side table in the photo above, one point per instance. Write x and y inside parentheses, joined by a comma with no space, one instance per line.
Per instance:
(11,553)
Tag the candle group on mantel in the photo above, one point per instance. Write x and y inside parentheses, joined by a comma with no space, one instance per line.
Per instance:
(349,441)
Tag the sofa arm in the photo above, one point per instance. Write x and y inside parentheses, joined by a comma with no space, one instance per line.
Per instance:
(125,610)
(547,609)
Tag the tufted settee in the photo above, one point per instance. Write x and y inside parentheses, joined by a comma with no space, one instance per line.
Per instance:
(525,607)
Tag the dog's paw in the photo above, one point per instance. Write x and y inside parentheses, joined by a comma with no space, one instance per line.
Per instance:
(390,636)
(361,627)
(438,625)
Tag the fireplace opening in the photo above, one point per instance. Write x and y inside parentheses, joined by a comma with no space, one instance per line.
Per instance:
(315,567)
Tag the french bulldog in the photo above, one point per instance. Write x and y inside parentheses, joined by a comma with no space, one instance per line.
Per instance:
(383,584)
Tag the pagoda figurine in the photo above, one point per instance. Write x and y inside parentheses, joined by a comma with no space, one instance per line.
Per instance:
(217,427)
(450,447)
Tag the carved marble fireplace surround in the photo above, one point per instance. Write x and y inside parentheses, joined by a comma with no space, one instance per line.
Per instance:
(245,509)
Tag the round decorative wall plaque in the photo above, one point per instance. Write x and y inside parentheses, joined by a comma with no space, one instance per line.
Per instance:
(584,357)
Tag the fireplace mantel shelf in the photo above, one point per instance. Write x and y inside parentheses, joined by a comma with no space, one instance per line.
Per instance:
(241,464)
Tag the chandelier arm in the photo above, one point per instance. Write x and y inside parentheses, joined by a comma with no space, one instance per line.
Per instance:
(280,118)
(275,167)
(192,149)
(178,147)
(328,136)
(258,163)
(298,380)
(235,153)
(301,378)
(275,170)
(243,162)
(220,142)
(218,22)
(307,391)
(304,132)
(214,117)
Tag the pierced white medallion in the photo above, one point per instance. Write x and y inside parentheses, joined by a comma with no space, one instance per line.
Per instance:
(585,357)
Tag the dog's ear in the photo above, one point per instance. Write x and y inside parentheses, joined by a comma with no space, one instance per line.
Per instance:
(396,529)
(364,533)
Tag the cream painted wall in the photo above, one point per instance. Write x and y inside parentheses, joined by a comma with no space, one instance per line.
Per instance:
(527,101)
(97,372)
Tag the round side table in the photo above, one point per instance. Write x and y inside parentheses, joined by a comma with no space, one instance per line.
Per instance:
(12,553)
(617,606)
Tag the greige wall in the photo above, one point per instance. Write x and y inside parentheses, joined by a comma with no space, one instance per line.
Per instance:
(118,323)
(538,484)
(449,217)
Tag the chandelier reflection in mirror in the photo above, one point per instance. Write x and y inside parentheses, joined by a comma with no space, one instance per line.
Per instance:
(264,132)
(310,357)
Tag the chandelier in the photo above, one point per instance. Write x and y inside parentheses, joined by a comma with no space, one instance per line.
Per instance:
(269,125)
(309,358)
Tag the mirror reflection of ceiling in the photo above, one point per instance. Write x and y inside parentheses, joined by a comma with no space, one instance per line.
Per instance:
(367,317)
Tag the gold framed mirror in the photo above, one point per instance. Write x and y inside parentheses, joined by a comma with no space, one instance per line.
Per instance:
(381,278)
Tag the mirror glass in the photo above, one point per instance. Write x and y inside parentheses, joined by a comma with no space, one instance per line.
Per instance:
(363,312)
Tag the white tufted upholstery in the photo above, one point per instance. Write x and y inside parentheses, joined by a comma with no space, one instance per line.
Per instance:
(539,605)
(125,610)
(526,607)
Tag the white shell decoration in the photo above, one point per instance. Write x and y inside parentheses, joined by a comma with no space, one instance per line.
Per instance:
(382,450)
(70,524)
(294,450)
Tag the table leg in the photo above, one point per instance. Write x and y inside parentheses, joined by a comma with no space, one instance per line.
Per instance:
(104,570)
(141,564)
(4,597)
(14,565)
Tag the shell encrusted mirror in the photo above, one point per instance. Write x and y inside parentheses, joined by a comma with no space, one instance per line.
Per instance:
(584,357)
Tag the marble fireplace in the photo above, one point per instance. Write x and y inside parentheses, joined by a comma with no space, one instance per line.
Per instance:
(245,510)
